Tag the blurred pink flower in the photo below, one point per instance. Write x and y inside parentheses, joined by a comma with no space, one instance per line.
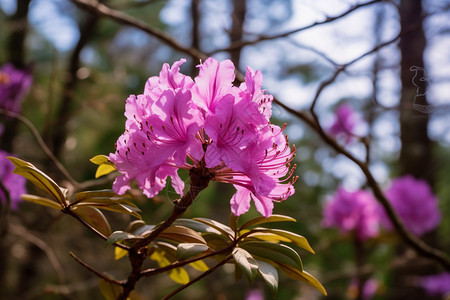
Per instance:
(415,204)
(14,84)
(345,123)
(437,284)
(352,211)
(254,294)
(205,123)
(13,184)
(368,290)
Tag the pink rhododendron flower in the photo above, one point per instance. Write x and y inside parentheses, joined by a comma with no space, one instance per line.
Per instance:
(14,84)
(205,123)
(415,204)
(352,211)
(437,284)
(345,123)
(11,183)
(255,294)
(368,290)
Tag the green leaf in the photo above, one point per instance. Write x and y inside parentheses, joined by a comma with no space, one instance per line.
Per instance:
(104,165)
(297,239)
(94,194)
(263,220)
(246,262)
(94,217)
(115,207)
(218,226)
(302,276)
(118,236)
(109,290)
(187,250)
(278,253)
(264,236)
(269,274)
(41,201)
(179,275)
(196,225)
(39,178)
(182,234)
(216,241)
(199,265)
(119,253)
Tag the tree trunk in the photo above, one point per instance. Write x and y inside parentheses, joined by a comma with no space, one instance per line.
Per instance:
(416,151)
(237,28)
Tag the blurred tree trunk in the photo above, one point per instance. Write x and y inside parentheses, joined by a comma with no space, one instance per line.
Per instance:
(415,155)
(416,151)
(71,81)
(195,16)
(237,28)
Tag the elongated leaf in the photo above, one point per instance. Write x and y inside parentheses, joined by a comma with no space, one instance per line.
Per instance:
(263,220)
(104,165)
(187,250)
(275,252)
(182,234)
(246,262)
(41,201)
(269,274)
(302,276)
(118,236)
(270,237)
(196,225)
(119,253)
(92,194)
(216,225)
(216,241)
(109,290)
(38,178)
(179,275)
(94,217)
(115,207)
(297,239)
(199,265)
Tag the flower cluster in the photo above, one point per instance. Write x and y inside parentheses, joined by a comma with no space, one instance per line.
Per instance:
(345,123)
(437,284)
(12,185)
(205,123)
(14,83)
(353,211)
(415,204)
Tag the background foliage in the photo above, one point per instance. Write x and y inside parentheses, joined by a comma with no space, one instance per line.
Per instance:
(85,66)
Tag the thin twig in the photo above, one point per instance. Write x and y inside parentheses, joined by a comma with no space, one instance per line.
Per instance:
(97,273)
(41,143)
(206,273)
(240,44)
(22,232)
(101,9)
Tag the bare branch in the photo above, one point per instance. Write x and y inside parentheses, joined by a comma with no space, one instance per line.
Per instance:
(239,44)
(23,233)
(97,273)
(41,143)
(125,19)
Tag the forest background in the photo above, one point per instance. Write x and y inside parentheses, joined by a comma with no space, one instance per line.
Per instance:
(314,55)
